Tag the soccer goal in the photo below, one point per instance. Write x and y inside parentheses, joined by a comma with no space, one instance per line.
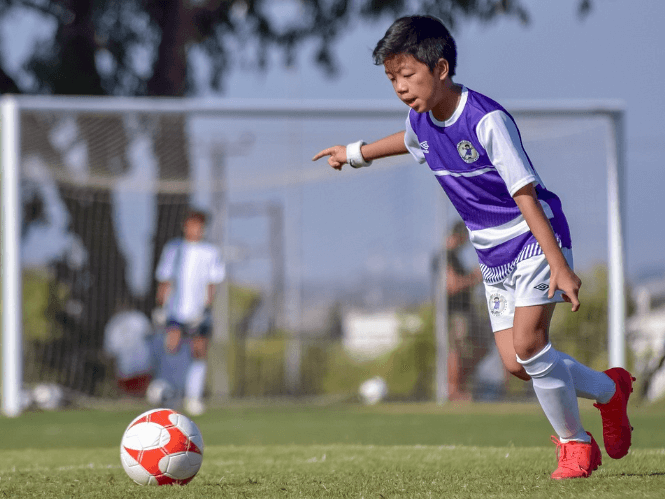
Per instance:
(332,277)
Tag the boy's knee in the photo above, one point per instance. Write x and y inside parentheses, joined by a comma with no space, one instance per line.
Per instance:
(172,340)
(540,364)
(518,371)
(199,348)
(528,350)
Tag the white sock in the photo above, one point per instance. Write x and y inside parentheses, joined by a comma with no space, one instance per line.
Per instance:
(589,384)
(554,388)
(195,380)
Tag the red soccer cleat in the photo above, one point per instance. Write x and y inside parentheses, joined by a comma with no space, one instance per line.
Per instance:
(576,459)
(616,427)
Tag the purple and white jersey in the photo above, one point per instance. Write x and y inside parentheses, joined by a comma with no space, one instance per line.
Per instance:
(478,158)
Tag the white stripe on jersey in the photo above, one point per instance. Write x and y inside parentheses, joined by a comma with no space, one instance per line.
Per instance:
(492,275)
(493,236)
(475,173)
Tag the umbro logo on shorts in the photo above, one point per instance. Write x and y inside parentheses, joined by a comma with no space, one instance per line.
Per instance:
(542,287)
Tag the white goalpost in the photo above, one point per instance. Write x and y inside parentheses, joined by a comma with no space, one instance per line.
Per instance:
(312,122)
(12,354)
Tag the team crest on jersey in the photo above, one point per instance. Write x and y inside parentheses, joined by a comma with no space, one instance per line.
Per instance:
(497,304)
(424,146)
(467,152)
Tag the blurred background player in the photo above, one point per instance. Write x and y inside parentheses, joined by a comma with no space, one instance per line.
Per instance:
(465,348)
(188,273)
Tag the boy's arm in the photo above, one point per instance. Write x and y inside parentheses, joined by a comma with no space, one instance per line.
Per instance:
(562,276)
(458,282)
(387,146)
(163,291)
(210,295)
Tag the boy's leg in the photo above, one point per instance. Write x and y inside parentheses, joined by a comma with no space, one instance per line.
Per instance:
(520,303)
(196,376)
(589,384)
(552,381)
(504,344)
(610,389)
(172,337)
(578,454)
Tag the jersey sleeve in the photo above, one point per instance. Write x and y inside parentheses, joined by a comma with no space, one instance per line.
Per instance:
(166,265)
(499,136)
(411,142)
(217,268)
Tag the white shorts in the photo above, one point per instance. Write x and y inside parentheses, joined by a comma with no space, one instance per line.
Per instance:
(525,286)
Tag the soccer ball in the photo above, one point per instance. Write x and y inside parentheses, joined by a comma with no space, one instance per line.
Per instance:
(373,391)
(161,447)
(48,396)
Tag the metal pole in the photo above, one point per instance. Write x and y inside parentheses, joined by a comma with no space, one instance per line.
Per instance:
(616,271)
(441,302)
(12,351)
(219,378)
(276,241)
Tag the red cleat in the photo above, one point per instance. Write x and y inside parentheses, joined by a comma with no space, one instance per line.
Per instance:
(576,459)
(616,427)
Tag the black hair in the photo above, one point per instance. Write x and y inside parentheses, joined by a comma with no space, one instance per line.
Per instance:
(196,214)
(424,37)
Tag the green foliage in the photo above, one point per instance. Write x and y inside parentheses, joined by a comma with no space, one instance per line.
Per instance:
(243,302)
(40,300)
(408,369)
(258,365)
(583,334)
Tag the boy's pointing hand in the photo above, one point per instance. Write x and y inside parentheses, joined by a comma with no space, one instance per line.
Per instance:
(337,156)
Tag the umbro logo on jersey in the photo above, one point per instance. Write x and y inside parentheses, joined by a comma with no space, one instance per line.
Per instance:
(424,146)
(542,287)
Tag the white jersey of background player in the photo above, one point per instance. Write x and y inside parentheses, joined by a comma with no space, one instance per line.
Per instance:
(188,272)
(517,227)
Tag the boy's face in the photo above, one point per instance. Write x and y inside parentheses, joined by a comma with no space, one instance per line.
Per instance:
(413,82)
(193,229)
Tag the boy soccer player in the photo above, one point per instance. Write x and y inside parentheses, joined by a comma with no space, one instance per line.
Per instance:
(518,228)
(188,273)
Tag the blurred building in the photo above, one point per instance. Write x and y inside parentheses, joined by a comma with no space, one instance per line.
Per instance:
(646,337)
(367,335)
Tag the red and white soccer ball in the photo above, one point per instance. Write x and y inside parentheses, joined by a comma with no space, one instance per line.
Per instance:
(161,447)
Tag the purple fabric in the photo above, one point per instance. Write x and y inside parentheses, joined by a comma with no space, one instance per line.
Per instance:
(483,200)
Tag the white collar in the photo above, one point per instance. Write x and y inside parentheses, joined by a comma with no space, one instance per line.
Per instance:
(458,111)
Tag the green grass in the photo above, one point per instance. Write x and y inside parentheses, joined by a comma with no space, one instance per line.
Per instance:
(401,450)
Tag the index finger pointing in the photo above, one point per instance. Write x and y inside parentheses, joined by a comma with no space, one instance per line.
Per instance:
(325,152)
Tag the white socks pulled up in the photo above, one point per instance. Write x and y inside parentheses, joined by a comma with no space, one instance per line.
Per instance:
(554,387)
(589,384)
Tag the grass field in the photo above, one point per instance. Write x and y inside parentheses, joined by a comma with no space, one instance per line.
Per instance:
(346,451)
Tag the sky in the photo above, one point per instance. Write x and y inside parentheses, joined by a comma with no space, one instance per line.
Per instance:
(614,53)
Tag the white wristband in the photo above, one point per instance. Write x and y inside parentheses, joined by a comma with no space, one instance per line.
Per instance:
(353,155)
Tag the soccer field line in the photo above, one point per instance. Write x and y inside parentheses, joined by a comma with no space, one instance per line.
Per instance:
(317,457)
(78,467)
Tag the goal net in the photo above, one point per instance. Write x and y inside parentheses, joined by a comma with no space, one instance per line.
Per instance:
(333,278)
